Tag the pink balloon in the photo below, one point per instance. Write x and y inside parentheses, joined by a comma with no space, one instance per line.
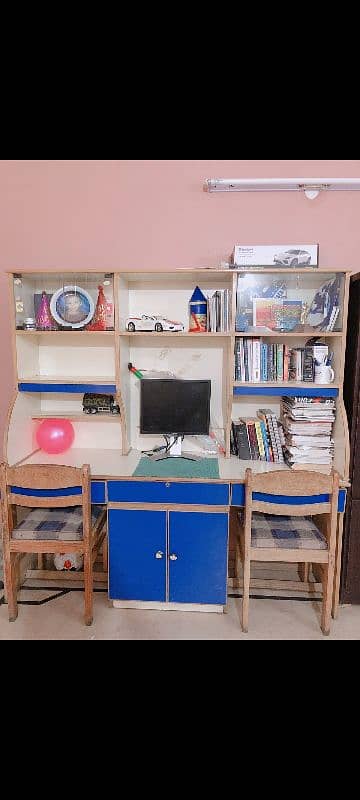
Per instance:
(55,435)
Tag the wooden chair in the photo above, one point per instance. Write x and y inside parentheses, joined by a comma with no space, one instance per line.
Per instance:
(277,527)
(61,519)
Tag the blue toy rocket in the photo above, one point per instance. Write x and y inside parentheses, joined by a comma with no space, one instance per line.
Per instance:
(198,312)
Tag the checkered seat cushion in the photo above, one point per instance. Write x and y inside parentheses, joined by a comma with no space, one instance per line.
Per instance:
(64,524)
(290,533)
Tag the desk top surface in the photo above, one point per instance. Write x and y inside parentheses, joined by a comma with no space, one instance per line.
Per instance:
(111,465)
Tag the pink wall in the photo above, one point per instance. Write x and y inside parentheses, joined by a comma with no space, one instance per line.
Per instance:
(154,214)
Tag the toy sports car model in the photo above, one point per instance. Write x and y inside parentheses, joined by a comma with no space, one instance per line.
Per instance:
(158,324)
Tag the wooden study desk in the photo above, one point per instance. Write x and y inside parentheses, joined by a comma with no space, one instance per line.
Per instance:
(168,538)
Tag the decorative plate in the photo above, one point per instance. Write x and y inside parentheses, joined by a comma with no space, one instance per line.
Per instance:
(72,307)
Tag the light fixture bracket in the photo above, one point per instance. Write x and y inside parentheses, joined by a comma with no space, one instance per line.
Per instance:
(310,186)
(312,190)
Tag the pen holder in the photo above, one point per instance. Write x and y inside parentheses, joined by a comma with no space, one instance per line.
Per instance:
(324,373)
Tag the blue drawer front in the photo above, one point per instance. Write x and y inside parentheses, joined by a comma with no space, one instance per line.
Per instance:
(135,538)
(198,573)
(238,498)
(216,494)
(98,494)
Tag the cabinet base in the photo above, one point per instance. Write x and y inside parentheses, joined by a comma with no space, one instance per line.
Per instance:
(154,606)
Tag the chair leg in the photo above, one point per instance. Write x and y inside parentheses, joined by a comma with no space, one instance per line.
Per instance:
(11,585)
(246,596)
(88,588)
(105,553)
(328,588)
(336,597)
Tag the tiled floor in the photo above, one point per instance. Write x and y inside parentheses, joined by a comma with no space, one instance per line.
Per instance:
(270,619)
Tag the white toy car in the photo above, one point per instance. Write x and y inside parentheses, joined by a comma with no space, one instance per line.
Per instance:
(155,323)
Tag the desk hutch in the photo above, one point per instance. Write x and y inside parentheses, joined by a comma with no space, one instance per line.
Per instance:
(168,540)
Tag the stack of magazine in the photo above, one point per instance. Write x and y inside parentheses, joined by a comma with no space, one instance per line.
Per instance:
(308,426)
(258,439)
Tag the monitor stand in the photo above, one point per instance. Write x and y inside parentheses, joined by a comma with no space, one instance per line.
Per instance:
(175,451)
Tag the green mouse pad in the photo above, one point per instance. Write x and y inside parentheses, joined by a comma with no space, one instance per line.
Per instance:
(177,468)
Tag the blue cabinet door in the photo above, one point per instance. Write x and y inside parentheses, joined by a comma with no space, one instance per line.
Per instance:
(198,545)
(137,555)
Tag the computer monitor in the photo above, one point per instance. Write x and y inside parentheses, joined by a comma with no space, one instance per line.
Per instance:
(177,408)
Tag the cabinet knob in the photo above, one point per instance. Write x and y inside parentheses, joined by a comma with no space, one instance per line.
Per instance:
(173,557)
(168,485)
(159,555)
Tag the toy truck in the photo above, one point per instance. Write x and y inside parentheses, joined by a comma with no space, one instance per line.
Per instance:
(96,403)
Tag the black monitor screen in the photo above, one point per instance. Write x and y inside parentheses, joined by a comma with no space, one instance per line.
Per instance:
(174,406)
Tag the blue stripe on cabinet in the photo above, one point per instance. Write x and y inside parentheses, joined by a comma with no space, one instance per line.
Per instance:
(238,494)
(67,388)
(69,492)
(238,498)
(168,492)
(285,391)
(98,492)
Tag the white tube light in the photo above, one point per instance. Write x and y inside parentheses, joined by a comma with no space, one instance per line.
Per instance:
(310,186)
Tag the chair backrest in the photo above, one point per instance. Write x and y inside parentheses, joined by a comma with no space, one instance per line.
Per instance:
(298,493)
(45,485)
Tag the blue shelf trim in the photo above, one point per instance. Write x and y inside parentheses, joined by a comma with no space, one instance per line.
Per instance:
(67,388)
(278,391)
(70,492)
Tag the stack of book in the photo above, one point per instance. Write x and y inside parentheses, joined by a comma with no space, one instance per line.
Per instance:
(218,320)
(308,425)
(259,362)
(257,439)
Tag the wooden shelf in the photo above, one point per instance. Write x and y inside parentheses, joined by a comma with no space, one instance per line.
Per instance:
(74,417)
(66,379)
(279,335)
(174,335)
(65,333)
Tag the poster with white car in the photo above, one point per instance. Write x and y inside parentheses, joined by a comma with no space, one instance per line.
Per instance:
(295,256)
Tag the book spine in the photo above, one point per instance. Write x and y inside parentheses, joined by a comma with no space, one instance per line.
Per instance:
(246,359)
(265,440)
(280,457)
(272,438)
(256,361)
(260,442)
(253,441)
(280,362)
(233,444)
(242,441)
(286,363)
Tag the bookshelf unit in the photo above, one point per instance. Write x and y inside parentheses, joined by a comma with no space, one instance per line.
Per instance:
(54,368)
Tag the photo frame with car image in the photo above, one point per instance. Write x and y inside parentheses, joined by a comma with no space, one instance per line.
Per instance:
(278,256)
